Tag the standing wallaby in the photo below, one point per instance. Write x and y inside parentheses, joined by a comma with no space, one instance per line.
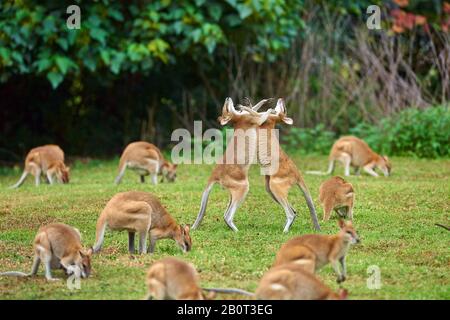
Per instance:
(280,181)
(141,212)
(57,246)
(146,159)
(352,151)
(174,279)
(291,282)
(47,160)
(232,173)
(317,250)
(337,194)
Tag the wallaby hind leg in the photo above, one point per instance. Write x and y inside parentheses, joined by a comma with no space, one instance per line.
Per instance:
(346,160)
(238,195)
(142,242)
(280,192)
(35,267)
(131,248)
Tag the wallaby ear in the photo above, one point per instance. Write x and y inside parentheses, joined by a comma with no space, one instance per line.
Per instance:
(386,158)
(288,120)
(343,294)
(90,251)
(341,223)
(68,169)
(187,228)
(210,295)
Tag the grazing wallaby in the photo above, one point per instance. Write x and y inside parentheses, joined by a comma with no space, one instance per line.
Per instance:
(291,282)
(171,278)
(57,246)
(141,212)
(352,151)
(234,176)
(47,160)
(337,194)
(318,250)
(146,159)
(280,181)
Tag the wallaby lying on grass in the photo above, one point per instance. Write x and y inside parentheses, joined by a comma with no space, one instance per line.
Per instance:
(352,151)
(233,176)
(279,183)
(292,282)
(140,212)
(318,250)
(57,246)
(47,160)
(171,278)
(338,195)
(146,159)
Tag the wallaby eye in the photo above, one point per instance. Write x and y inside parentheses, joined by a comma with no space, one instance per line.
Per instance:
(350,233)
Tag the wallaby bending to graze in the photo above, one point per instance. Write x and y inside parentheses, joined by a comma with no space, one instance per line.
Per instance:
(174,279)
(317,250)
(337,194)
(279,179)
(47,160)
(292,282)
(352,151)
(232,173)
(146,159)
(142,213)
(58,246)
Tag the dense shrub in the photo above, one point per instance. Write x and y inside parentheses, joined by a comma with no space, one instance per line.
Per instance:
(413,132)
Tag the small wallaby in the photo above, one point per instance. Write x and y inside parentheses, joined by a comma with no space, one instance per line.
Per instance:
(58,246)
(47,160)
(141,212)
(292,282)
(174,279)
(338,195)
(352,151)
(146,159)
(318,250)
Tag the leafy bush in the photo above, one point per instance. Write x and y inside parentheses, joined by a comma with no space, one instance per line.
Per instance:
(413,132)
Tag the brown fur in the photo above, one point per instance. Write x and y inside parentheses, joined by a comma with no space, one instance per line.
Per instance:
(232,176)
(141,212)
(319,250)
(354,152)
(47,160)
(58,246)
(146,159)
(292,282)
(337,194)
(173,279)
(279,183)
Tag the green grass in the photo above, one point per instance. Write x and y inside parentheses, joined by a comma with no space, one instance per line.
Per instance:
(394,216)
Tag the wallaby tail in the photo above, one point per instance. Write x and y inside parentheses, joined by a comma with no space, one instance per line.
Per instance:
(122,168)
(99,234)
(203,204)
(21,180)
(442,226)
(14,274)
(309,202)
(322,173)
(229,290)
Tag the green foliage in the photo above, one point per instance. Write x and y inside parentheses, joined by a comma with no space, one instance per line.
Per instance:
(117,37)
(413,132)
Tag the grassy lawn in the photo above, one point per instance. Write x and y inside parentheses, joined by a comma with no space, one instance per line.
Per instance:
(394,216)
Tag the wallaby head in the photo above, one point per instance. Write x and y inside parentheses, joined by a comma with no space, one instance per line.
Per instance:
(182,237)
(281,113)
(348,232)
(169,171)
(242,117)
(86,262)
(384,165)
(61,172)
